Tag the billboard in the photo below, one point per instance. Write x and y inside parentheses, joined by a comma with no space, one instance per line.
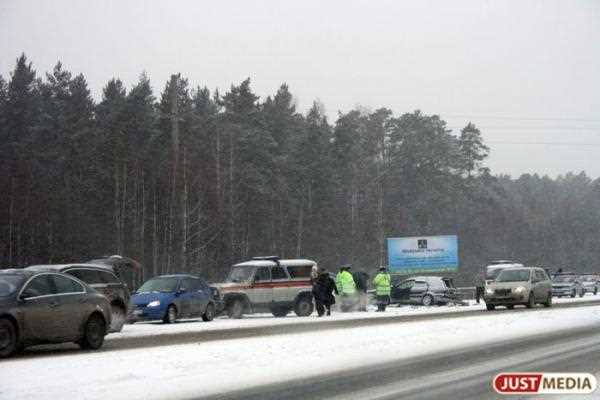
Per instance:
(418,254)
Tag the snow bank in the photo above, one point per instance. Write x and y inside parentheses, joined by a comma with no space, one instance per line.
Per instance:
(263,320)
(193,370)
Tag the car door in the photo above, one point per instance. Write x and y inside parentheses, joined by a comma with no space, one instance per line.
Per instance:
(417,291)
(40,307)
(200,296)
(261,292)
(184,297)
(282,293)
(74,306)
(401,292)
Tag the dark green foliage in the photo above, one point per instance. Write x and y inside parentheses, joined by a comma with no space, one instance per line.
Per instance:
(197,180)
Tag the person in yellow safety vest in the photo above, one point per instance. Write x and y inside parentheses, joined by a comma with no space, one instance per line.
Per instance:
(346,288)
(383,288)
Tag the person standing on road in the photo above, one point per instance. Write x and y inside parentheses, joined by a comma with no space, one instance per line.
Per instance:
(346,288)
(361,280)
(383,288)
(479,287)
(323,290)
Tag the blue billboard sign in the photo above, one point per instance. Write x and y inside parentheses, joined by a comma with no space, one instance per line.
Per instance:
(418,254)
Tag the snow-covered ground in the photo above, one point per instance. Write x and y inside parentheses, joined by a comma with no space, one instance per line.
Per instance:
(261,320)
(191,370)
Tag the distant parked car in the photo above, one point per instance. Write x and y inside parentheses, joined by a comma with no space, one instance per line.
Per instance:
(170,297)
(40,307)
(269,284)
(513,286)
(567,284)
(425,290)
(590,283)
(104,280)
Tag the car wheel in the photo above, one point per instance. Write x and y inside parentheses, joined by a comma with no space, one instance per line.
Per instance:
(573,293)
(427,300)
(510,306)
(582,293)
(279,312)
(118,317)
(171,315)
(548,302)
(209,314)
(304,307)
(235,309)
(531,301)
(9,342)
(595,291)
(490,307)
(93,333)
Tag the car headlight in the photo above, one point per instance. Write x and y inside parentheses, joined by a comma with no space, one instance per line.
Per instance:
(489,291)
(520,289)
(154,303)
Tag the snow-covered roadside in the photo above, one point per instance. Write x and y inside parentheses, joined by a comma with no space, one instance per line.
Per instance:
(262,320)
(199,369)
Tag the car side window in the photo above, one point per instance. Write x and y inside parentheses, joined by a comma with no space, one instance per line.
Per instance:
(262,274)
(186,284)
(278,273)
(202,285)
(299,271)
(66,285)
(420,285)
(406,284)
(108,277)
(88,276)
(39,286)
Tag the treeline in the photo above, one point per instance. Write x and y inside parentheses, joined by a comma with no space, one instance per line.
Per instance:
(194,180)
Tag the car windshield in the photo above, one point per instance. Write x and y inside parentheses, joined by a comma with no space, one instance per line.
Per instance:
(164,285)
(514,275)
(589,278)
(492,273)
(9,284)
(564,278)
(240,274)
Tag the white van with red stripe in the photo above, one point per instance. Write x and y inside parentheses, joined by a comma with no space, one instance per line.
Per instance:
(269,284)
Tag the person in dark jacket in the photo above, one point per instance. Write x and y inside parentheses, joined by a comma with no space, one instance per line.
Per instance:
(323,289)
(361,279)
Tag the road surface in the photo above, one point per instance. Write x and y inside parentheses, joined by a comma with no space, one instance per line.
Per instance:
(465,374)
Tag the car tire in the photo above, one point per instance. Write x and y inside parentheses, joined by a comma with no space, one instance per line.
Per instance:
(235,310)
(573,293)
(595,291)
(530,301)
(427,300)
(93,333)
(582,293)
(118,318)
(548,302)
(171,315)
(510,306)
(209,314)
(9,340)
(279,312)
(304,307)
(490,307)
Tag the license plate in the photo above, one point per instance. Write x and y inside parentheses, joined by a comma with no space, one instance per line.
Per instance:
(138,312)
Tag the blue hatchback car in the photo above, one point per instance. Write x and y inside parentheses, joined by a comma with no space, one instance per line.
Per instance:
(169,297)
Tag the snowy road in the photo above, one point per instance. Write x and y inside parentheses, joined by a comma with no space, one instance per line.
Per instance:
(464,374)
(414,348)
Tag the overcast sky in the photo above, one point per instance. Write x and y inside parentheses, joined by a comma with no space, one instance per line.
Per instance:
(526,72)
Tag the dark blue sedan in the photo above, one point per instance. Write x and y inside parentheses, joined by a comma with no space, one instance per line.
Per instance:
(169,297)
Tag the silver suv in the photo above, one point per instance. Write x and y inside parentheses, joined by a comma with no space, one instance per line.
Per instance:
(590,283)
(527,286)
(268,284)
